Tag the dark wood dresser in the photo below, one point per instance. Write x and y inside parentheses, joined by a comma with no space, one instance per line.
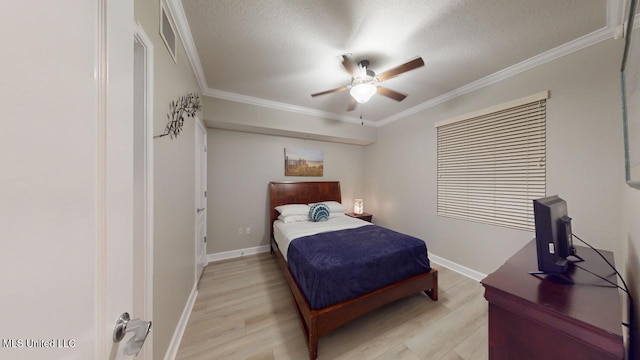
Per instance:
(538,318)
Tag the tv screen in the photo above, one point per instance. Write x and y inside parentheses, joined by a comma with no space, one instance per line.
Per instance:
(553,234)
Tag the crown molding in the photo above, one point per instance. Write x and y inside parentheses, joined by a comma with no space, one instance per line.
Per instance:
(615,17)
(225,95)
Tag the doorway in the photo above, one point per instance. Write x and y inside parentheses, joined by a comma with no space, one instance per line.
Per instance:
(201,198)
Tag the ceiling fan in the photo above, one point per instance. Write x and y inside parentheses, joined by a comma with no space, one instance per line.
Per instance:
(364,81)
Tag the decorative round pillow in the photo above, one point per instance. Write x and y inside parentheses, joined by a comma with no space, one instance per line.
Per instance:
(319,212)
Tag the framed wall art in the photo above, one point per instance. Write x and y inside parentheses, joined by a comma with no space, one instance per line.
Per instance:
(303,162)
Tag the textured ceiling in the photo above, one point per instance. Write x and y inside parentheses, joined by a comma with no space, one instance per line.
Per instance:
(281,51)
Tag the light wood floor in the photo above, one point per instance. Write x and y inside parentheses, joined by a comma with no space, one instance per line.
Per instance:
(244,310)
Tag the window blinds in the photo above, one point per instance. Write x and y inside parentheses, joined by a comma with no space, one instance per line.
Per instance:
(491,164)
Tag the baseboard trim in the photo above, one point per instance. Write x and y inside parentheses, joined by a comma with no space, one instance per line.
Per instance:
(237,253)
(174,345)
(463,270)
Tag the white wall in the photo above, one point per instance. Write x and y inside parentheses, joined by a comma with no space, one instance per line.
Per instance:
(584,160)
(240,167)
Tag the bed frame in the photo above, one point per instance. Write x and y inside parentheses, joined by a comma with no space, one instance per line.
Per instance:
(316,323)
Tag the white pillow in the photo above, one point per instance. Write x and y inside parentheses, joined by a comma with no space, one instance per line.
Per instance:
(334,206)
(293,218)
(293,209)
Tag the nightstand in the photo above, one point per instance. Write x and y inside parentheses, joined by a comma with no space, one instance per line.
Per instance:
(363,216)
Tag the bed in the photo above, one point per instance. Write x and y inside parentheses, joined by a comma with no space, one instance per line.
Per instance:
(317,319)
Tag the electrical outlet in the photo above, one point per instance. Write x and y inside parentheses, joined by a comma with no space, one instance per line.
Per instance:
(239,231)
(247,230)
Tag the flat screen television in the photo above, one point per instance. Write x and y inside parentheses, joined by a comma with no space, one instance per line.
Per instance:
(554,240)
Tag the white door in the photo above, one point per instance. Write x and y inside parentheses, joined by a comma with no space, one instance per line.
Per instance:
(201,197)
(122,192)
(66,185)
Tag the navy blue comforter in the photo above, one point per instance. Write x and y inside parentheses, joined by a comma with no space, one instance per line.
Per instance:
(336,266)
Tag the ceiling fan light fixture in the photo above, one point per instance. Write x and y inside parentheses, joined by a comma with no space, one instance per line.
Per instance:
(364,81)
(363,92)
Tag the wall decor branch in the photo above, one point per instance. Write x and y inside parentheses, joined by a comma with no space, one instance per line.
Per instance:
(186,105)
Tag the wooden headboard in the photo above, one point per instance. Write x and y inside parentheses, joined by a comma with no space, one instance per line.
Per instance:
(301,192)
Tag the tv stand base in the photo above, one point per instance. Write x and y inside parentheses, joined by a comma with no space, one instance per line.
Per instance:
(552,276)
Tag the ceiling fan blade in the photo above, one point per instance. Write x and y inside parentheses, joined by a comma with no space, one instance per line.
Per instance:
(336,90)
(391,94)
(408,66)
(352,104)
(349,64)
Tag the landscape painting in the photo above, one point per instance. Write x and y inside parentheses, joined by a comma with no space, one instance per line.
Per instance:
(303,162)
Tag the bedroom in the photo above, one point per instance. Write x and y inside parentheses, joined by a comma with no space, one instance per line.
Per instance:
(578,142)
(584,130)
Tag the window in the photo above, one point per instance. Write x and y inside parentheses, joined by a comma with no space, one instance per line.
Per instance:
(491,163)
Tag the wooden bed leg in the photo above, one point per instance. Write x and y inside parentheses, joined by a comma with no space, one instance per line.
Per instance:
(313,339)
(433,292)
(313,348)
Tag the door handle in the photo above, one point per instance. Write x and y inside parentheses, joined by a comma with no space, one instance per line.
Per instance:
(199,210)
(140,329)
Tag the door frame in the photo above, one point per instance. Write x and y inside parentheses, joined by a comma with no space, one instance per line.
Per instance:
(147,301)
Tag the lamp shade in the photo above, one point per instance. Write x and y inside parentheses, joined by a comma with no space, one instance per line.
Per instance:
(363,92)
(358,206)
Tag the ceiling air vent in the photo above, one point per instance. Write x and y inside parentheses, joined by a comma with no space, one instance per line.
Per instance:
(167,31)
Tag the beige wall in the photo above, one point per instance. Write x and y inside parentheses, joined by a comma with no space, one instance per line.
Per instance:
(584,160)
(240,167)
(174,185)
